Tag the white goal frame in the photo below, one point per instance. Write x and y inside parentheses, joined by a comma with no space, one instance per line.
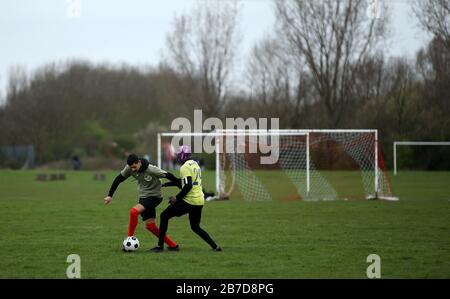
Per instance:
(415,143)
(247,132)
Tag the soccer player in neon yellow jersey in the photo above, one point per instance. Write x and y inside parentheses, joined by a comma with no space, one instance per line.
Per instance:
(189,200)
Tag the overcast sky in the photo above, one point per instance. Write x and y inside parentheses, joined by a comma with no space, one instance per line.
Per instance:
(35,32)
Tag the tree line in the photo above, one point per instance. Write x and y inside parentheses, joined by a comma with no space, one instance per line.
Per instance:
(322,66)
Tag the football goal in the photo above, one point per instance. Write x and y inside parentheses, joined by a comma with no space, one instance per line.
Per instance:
(415,143)
(263,165)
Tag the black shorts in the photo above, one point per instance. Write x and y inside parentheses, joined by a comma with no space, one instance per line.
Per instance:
(181,208)
(150,203)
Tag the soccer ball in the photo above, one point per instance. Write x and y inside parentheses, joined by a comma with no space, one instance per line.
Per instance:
(130,244)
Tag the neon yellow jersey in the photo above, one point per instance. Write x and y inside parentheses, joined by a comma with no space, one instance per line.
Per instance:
(195,196)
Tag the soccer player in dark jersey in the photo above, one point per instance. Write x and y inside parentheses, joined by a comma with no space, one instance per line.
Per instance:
(149,188)
(189,200)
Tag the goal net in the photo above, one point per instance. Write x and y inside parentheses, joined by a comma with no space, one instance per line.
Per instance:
(284,165)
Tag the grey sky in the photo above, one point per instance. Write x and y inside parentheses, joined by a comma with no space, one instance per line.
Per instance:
(33,33)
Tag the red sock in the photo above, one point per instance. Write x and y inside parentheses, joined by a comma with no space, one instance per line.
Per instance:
(134,214)
(155,230)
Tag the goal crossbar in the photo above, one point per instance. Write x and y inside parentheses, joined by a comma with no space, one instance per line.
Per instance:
(415,143)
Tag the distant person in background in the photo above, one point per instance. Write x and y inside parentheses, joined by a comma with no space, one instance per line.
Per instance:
(210,196)
(201,163)
(76,163)
(168,156)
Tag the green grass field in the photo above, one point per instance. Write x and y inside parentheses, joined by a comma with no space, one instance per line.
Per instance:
(43,222)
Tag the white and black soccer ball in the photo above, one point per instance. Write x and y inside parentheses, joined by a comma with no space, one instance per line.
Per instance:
(130,244)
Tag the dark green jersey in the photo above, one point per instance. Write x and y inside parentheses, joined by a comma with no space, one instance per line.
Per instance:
(148,181)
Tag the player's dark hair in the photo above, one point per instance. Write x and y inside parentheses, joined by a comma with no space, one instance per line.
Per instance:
(132,159)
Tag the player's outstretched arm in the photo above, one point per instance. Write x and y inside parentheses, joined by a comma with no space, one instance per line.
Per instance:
(170,184)
(119,179)
(174,181)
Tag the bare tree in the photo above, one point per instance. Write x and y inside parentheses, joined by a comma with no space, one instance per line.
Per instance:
(399,84)
(369,76)
(278,86)
(433,68)
(433,64)
(434,17)
(203,45)
(17,82)
(331,37)
(269,72)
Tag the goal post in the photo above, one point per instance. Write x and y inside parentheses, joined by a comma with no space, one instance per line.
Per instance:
(414,143)
(311,164)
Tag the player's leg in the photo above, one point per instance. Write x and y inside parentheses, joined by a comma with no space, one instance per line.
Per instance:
(134,214)
(149,216)
(151,226)
(195,216)
(149,204)
(176,209)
